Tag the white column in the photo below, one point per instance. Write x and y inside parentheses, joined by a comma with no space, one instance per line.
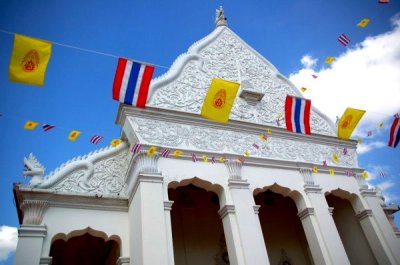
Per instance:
(331,247)
(31,234)
(380,234)
(232,236)
(168,228)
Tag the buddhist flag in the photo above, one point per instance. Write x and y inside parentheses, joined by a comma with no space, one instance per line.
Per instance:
(177,153)
(315,169)
(30,125)
(297,114)
(394,132)
(365,174)
(329,60)
(132,82)
(363,23)
(222,159)
(205,158)
(29,59)
(219,100)
(303,89)
(269,131)
(152,151)
(73,135)
(331,172)
(115,142)
(335,158)
(348,122)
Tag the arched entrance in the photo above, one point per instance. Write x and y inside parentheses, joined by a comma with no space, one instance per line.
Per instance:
(197,231)
(85,247)
(349,228)
(283,232)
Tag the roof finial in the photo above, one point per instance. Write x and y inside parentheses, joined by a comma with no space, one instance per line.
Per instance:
(220,19)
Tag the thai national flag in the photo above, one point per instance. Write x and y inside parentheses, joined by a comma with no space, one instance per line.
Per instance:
(136,148)
(383,1)
(394,132)
(96,139)
(47,127)
(131,82)
(344,40)
(194,158)
(165,153)
(297,114)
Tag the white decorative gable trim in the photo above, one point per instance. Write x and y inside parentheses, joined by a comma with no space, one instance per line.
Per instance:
(103,172)
(225,55)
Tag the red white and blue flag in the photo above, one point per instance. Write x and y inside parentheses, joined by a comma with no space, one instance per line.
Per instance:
(132,82)
(136,148)
(47,127)
(96,139)
(344,40)
(194,158)
(165,153)
(394,132)
(297,114)
(383,1)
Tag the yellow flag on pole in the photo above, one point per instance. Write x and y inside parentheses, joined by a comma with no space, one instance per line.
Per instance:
(73,135)
(348,122)
(363,23)
(30,125)
(219,100)
(29,59)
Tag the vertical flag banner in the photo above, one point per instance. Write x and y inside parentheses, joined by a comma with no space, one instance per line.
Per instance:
(219,100)
(297,114)
(344,40)
(73,135)
(165,153)
(132,82)
(348,122)
(394,136)
(30,125)
(29,59)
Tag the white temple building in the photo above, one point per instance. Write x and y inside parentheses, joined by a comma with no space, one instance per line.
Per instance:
(116,207)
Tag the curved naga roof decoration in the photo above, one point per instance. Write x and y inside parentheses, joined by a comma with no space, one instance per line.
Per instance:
(100,172)
(225,55)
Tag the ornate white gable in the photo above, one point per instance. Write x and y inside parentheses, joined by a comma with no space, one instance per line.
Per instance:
(223,54)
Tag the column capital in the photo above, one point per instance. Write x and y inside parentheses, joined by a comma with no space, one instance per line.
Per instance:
(306,212)
(312,189)
(123,261)
(28,230)
(145,177)
(364,214)
(146,164)
(46,260)
(33,211)
(307,176)
(330,209)
(226,209)
(238,184)
(234,168)
(362,183)
(168,205)
(256,208)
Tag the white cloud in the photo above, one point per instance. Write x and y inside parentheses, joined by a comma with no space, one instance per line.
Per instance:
(8,241)
(366,147)
(308,61)
(386,185)
(365,77)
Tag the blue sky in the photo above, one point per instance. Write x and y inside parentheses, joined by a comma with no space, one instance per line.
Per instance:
(295,36)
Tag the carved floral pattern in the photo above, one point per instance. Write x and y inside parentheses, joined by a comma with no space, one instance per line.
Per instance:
(228,57)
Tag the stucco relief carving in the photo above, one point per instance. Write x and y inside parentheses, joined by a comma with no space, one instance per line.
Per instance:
(225,56)
(208,139)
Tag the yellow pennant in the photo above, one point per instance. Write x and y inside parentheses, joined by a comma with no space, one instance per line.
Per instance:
(315,169)
(247,153)
(205,158)
(263,137)
(303,89)
(73,135)
(29,59)
(365,174)
(30,125)
(331,171)
(269,131)
(219,100)
(115,142)
(335,158)
(177,153)
(222,159)
(329,59)
(380,125)
(348,122)
(363,23)
(152,151)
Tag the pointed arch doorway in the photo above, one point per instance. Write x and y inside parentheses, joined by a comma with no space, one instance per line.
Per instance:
(197,230)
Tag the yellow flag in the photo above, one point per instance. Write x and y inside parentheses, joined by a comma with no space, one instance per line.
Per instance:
(30,125)
(222,159)
(315,169)
(177,153)
(263,137)
(205,158)
(73,135)
(29,59)
(331,171)
(151,151)
(303,89)
(365,174)
(269,131)
(335,158)
(115,142)
(329,59)
(348,122)
(219,100)
(246,153)
(380,125)
(363,23)
(359,141)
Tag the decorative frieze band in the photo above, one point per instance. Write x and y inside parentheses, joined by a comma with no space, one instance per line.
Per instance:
(305,213)
(225,210)
(234,168)
(33,211)
(364,214)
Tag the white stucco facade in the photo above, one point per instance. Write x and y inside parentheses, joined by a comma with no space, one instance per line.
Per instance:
(117,195)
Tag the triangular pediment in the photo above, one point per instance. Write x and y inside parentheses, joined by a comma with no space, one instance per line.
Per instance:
(225,55)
